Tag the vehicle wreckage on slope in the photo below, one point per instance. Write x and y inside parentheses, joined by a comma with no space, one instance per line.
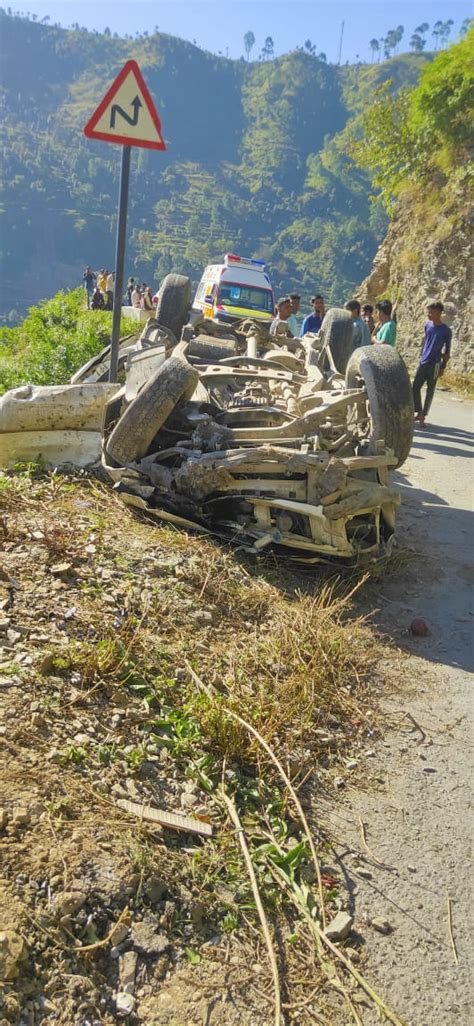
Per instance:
(263,441)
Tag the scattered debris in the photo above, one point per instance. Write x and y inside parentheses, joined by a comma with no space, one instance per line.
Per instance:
(171,820)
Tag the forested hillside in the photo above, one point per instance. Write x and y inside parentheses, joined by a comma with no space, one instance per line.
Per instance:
(418,148)
(256,162)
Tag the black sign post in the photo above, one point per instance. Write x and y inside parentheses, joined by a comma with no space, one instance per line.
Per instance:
(113,122)
(119,261)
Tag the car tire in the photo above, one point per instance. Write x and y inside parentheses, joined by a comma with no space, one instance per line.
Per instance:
(390,397)
(138,425)
(174,303)
(337,334)
(210,349)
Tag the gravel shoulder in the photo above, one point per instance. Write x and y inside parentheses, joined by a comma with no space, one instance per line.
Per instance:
(419,823)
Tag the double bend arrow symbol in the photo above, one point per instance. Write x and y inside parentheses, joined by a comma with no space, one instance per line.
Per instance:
(132,119)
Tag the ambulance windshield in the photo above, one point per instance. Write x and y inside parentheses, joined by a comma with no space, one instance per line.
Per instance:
(247,297)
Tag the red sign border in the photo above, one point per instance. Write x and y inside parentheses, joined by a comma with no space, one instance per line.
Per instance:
(91,133)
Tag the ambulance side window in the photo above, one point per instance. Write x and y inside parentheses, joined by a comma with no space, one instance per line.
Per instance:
(200,292)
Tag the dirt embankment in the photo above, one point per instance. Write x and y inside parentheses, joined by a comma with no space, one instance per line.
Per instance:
(427,255)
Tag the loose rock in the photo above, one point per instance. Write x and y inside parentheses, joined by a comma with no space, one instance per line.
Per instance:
(127,969)
(20,816)
(340,927)
(381,925)
(148,940)
(12,952)
(419,627)
(124,1003)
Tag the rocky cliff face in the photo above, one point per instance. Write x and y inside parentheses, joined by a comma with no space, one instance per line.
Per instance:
(427,255)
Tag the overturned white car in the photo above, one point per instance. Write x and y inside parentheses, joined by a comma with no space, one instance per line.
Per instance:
(266,442)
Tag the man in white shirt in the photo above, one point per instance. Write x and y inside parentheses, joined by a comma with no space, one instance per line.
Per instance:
(293,323)
(109,288)
(136,298)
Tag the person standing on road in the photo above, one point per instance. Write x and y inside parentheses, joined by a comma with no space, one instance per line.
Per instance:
(109,288)
(88,279)
(434,357)
(386,330)
(293,323)
(367,312)
(314,320)
(279,325)
(136,297)
(361,333)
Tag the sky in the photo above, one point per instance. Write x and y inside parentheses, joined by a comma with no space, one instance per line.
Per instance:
(219,25)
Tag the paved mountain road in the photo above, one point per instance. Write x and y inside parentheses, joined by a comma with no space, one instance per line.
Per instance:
(420,822)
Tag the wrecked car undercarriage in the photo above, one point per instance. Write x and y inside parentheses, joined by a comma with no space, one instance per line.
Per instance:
(263,441)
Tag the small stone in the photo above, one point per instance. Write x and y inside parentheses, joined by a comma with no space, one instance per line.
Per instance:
(12,951)
(119,934)
(411,869)
(180,674)
(60,569)
(54,755)
(429,769)
(188,801)
(37,720)
(68,903)
(155,889)
(13,636)
(20,816)
(381,925)
(47,664)
(352,764)
(148,940)
(340,927)
(127,969)
(124,1003)
(81,739)
(419,627)
(353,954)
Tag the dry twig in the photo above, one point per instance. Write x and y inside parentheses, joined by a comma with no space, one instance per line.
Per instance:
(256,893)
(381,865)
(450,930)
(277,763)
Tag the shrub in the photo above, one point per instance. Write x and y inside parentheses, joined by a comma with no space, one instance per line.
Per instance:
(54,340)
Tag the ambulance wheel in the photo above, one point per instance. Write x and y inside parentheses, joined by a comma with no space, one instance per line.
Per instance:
(174,303)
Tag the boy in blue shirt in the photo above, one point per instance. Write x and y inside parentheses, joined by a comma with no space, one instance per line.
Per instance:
(434,357)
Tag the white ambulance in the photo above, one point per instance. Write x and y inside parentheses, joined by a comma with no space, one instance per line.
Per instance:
(238,288)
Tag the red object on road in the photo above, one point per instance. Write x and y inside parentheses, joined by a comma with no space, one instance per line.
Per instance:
(419,627)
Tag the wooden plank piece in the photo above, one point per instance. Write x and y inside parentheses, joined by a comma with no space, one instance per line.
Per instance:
(171,820)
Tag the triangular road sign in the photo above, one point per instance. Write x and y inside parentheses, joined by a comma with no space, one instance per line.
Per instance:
(127,113)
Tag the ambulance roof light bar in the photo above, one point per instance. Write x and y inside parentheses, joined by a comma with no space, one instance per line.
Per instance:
(232,258)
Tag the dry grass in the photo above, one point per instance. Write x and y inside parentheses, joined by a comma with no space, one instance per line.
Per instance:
(458,381)
(110,638)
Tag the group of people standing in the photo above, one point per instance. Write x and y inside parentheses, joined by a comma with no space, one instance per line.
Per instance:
(365,329)
(435,352)
(99,288)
